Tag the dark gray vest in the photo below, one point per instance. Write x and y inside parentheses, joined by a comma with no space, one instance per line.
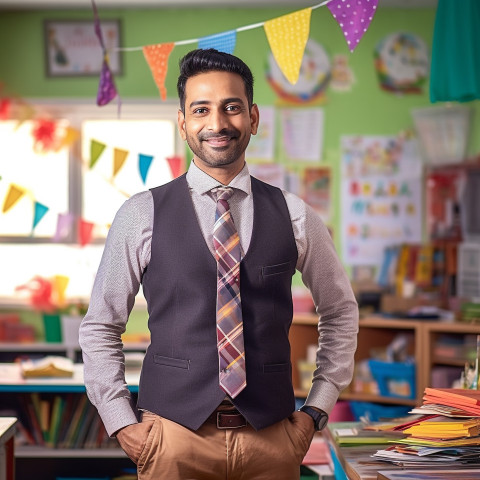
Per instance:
(179,379)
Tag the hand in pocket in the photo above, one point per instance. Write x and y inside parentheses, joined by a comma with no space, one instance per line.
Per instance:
(132,438)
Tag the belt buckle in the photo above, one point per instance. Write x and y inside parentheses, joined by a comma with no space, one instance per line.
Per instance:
(226,420)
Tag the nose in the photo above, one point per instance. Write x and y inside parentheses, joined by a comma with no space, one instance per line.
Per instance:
(217,120)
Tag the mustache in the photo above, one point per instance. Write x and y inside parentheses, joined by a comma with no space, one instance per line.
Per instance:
(227,132)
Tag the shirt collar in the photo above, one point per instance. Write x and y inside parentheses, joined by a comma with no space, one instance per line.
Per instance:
(202,183)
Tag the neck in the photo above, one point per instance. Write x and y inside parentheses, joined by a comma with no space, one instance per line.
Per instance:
(224,174)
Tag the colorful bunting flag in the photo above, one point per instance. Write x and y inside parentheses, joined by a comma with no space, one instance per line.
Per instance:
(288,36)
(96,149)
(14,194)
(39,212)
(64,225)
(85,232)
(353,17)
(175,164)
(70,135)
(106,87)
(119,157)
(157,59)
(144,162)
(223,42)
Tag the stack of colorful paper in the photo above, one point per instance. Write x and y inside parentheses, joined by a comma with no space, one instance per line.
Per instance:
(445,432)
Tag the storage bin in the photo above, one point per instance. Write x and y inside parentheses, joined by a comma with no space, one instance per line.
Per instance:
(375,412)
(395,379)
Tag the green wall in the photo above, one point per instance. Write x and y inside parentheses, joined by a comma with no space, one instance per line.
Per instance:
(365,110)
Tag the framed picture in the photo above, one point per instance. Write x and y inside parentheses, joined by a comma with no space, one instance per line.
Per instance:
(73,50)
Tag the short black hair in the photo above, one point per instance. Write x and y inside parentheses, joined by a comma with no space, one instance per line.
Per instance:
(211,60)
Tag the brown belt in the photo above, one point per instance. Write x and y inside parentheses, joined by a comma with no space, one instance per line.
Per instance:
(224,419)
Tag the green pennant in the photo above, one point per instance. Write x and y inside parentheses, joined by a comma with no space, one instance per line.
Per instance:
(96,149)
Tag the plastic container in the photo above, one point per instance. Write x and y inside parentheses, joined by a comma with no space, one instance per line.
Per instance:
(375,412)
(395,379)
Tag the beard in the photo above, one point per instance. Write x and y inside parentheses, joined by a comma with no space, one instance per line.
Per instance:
(217,156)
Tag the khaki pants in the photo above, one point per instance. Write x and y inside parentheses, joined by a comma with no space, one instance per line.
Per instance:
(173,452)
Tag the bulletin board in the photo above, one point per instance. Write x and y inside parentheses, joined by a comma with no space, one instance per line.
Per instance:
(381,191)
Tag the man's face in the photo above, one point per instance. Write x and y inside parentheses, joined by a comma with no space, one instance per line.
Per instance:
(217,123)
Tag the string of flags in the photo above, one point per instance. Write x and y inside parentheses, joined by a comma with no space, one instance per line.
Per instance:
(287,36)
(65,221)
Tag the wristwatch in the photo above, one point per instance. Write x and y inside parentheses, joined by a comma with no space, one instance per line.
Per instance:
(320,418)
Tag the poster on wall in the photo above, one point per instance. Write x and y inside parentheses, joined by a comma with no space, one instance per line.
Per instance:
(302,133)
(381,196)
(317,182)
(261,145)
(402,63)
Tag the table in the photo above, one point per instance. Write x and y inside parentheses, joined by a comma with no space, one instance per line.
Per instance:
(7,459)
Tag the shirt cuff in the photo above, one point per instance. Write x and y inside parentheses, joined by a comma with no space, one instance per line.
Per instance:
(322,395)
(117,414)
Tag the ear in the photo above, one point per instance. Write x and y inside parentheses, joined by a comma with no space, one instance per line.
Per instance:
(254,119)
(181,124)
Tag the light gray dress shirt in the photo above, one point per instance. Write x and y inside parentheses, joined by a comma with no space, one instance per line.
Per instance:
(127,254)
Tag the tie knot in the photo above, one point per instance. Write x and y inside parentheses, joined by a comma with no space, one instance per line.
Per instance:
(222,193)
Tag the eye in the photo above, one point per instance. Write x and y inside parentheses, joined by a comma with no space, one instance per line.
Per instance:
(232,108)
(200,111)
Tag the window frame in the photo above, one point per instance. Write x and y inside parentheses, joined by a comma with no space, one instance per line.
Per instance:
(75,112)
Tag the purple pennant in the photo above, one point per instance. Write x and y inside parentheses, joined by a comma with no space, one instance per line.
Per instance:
(354,17)
(106,88)
(98,29)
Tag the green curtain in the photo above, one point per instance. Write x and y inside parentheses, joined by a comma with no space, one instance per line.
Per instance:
(455,68)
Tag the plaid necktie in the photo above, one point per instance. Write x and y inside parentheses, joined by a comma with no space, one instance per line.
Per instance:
(231,352)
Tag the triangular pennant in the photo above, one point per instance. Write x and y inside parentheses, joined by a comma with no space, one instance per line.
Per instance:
(144,162)
(85,231)
(223,42)
(96,25)
(96,149)
(353,18)
(106,87)
(288,36)
(70,135)
(14,194)
(64,224)
(119,157)
(157,59)
(175,164)
(39,213)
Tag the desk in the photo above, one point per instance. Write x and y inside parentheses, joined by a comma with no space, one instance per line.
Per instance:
(7,459)
(359,465)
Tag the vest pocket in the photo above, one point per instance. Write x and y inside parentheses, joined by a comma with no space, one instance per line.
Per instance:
(171,362)
(275,367)
(276,269)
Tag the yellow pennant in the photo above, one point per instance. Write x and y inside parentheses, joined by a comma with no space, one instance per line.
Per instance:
(119,157)
(70,136)
(13,195)
(288,36)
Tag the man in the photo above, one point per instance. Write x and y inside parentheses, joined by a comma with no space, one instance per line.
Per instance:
(213,246)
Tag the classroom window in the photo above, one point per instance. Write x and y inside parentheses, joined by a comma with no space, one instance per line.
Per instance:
(66,182)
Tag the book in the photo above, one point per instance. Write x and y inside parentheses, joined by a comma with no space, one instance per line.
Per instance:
(77,415)
(49,366)
(56,416)
(460,395)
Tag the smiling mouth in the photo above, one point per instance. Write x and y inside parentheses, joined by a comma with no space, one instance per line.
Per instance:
(218,142)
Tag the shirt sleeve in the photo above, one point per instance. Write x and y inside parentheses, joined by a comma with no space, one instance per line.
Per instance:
(323,274)
(125,257)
